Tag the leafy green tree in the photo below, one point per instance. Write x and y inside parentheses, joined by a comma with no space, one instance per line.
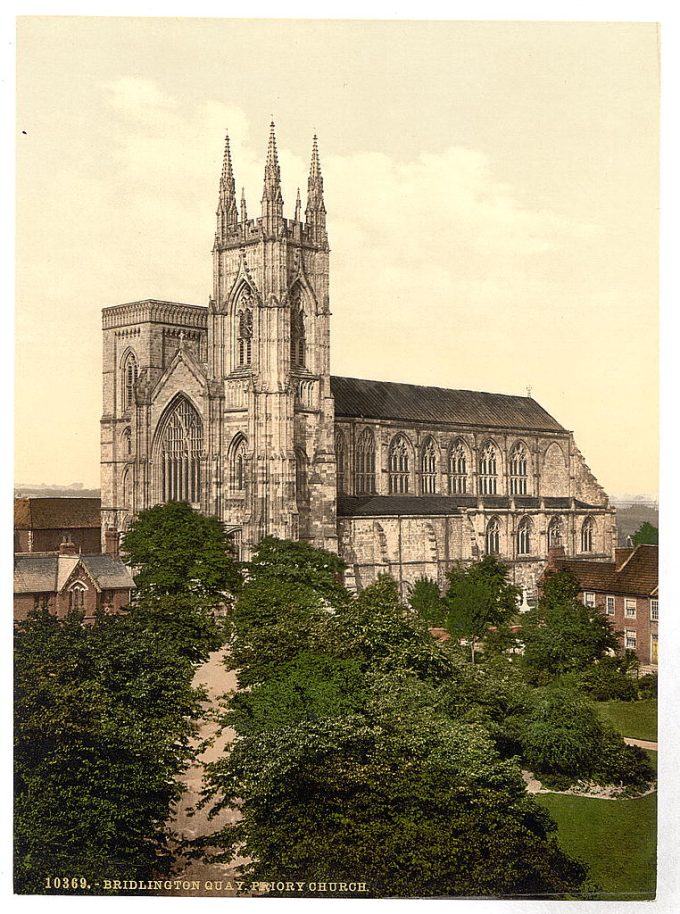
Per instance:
(412,804)
(299,563)
(646,535)
(477,597)
(175,550)
(104,721)
(425,598)
(560,634)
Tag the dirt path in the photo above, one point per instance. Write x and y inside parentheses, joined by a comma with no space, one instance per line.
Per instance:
(217,680)
(642,743)
(534,786)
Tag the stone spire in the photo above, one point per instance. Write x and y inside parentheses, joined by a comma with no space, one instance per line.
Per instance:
(272,201)
(227,212)
(298,207)
(244,211)
(315,213)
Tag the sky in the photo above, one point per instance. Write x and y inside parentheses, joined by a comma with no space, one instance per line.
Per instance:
(491,190)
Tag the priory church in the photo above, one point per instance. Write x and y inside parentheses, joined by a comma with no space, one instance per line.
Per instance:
(232,408)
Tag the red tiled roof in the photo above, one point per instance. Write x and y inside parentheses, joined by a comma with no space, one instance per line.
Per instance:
(638,574)
(56,513)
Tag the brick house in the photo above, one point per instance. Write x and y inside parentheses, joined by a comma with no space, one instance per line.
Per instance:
(41,524)
(627,592)
(67,580)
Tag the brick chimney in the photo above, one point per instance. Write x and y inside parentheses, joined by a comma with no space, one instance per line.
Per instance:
(111,542)
(555,553)
(67,546)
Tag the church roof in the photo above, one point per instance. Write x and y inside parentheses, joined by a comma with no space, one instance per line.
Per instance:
(62,513)
(34,573)
(355,398)
(419,505)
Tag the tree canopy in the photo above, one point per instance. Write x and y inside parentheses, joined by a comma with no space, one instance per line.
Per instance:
(646,534)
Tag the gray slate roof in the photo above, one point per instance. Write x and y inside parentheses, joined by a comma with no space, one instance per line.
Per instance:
(48,573)
(355,398)
(392,505)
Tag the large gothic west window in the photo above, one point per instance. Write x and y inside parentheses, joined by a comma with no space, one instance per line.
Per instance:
(364,464)
(130,375)
(428,468)
(488,470)
(180,454)
(457,469)
(297,330)
(399,466)
(518,470)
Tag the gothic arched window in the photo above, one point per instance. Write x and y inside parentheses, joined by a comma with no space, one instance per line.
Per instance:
(428,468)
(587,535)
(524,537)
(555,533)
(488,470)
(340,461)
(364,463)
(518,470)
(180,454)
(76,595)
(493,537)
(130,375)
(127,441)
(399,466)
(457,469)
(245,336)
(238,464)
(297,330)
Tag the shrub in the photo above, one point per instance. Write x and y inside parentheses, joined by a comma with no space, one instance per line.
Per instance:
(648,685)
(562,733)
(619,763)
(606,681)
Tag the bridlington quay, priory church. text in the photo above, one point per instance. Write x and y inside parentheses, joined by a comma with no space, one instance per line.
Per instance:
(232,408)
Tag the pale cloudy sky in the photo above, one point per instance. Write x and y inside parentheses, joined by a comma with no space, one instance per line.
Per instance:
(491,192)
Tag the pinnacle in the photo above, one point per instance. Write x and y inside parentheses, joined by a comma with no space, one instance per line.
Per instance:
(227,170)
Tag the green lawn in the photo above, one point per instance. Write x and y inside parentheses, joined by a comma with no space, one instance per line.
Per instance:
(631,718)
(616,838)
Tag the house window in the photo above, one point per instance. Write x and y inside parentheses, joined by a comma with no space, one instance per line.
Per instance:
(76,596)
(587,535)
(630,640)
(610,605)
(629,608)
(457,469)
(654,610)
(524,537)
(493,537)
(364,463)
(428,468)
(518,470)
(399,466)
(589,599)
(488,470)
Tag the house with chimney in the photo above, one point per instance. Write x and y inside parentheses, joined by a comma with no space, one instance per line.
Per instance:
(626,591)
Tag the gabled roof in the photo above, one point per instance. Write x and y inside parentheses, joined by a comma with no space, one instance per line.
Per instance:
(51,573)
(56,513)
(639,574)
(355,398)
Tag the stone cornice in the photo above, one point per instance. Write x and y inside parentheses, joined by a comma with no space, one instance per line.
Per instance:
(154,311)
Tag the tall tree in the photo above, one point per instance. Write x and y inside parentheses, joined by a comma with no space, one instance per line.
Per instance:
(176,550)
(477,597)
(646,534)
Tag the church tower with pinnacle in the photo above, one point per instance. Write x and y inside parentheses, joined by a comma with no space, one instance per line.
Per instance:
(268,356)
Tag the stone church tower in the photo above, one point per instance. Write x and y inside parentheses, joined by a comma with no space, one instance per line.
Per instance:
(231,409)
